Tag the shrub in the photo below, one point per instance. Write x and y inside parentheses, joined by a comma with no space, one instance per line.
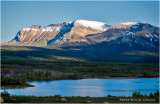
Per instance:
(5,93)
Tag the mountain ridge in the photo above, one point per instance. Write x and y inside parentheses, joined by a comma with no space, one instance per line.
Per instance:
(84,32)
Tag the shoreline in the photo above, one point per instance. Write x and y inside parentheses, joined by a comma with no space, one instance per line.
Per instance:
(80,99)
(122,78)
(4,87)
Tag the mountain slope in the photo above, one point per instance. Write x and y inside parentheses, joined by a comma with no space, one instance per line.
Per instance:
(136,36)
(58,34)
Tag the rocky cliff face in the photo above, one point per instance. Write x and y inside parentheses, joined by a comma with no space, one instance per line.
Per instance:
(38,35)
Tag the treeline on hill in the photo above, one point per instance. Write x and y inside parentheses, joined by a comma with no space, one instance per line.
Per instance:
(19,72)
(15,77)
(138,94)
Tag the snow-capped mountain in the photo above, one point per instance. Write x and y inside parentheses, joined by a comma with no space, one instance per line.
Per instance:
(58,34)
(86,33)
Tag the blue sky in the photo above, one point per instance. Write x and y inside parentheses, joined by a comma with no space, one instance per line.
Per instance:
(19,14)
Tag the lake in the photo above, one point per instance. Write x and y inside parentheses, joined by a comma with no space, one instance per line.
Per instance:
(89,87)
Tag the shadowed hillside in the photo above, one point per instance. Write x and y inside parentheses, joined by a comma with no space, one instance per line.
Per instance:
(77,54)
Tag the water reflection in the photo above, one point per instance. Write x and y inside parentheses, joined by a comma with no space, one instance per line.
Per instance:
(89,87)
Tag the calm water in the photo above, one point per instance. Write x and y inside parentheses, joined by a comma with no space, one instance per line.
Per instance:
(89,87)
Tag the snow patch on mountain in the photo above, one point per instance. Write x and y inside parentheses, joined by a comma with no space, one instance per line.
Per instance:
(92,24)
(129,23)
(128,33)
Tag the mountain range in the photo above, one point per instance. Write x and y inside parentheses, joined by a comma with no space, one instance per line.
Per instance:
(99,39)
